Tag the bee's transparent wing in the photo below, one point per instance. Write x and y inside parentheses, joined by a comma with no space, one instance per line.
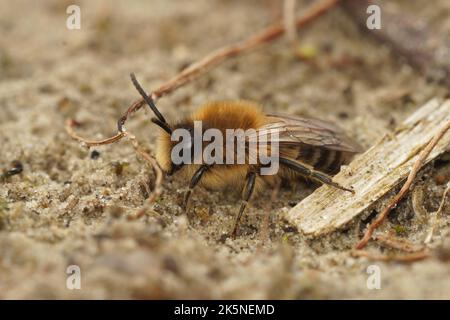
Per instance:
(293,130)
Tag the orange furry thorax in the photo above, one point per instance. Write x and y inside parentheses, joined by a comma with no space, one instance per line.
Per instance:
(230,115)
(220,115)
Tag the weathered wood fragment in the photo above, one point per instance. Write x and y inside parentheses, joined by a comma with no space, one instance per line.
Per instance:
(373,173)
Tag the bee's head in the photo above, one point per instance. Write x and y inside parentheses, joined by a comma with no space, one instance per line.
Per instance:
(175,150)
(170,155)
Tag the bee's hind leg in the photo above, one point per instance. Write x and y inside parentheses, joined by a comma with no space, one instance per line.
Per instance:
(246,194)
(194,181)
(305,171)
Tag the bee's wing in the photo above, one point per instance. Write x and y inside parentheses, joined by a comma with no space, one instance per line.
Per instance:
(294,130)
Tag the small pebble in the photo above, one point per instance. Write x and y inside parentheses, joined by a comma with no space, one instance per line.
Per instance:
(95,154)
(17,168)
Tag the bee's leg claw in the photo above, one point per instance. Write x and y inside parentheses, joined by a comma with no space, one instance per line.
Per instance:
(238,218)
(186,199)
(187,203)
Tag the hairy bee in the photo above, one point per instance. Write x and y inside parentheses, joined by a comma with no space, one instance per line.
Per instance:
(307,148)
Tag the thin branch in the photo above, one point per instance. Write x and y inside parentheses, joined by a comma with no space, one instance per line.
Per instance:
(157,190)
(220,55)
(417,197)
(394,202)
(70,124)
(411,257)
(436,216)
(289,22)
(207,63)
(139,150)
(398,243)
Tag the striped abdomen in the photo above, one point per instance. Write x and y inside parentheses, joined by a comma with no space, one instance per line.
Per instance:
(322,159)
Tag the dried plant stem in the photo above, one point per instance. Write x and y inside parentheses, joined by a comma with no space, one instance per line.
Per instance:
(157,190)
(220,55)
(436,216)
(394,202)
(417,197)
(70,124)
(289,21)
(411,257)
(208,62)
(153,163)
(399,243)
(139,150)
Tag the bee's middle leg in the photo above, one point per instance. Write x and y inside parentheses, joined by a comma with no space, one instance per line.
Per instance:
(246,194)
(194,181)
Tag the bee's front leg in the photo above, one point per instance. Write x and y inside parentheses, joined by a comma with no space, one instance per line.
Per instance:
(194,181)
(246,194)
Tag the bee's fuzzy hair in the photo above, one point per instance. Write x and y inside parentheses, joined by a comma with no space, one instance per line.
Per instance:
(220,115)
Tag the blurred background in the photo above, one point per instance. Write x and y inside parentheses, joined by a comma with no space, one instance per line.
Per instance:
(69,206)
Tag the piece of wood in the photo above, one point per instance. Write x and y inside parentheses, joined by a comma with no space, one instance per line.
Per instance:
(373,173)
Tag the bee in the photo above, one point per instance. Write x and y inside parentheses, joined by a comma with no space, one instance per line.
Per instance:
(308,149)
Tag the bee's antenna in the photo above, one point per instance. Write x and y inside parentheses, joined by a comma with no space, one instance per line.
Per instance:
(163,125)
(160,121)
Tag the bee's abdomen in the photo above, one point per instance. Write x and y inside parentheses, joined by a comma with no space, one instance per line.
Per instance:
(322,159)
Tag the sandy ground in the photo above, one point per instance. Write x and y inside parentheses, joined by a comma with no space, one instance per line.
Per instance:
(70,208)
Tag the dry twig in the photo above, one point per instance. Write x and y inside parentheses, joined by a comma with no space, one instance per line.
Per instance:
(222,54)
(417,197)
(436,215)
(215,58)
(289,22)
(398,243)
(139,150)
(403,191)
(70,124)
(208,62)
(411,257)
